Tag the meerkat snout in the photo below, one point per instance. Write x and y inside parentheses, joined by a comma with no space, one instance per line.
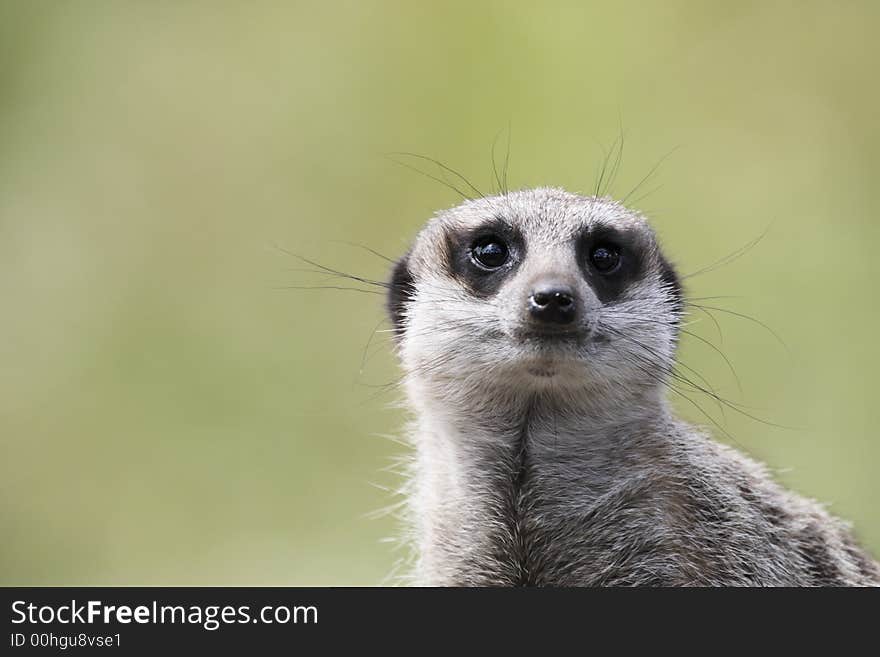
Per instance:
(552,302)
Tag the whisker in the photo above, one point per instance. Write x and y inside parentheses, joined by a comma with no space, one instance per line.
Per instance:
(720,353)
(330,270)
(365,248)
(325,287)
(444,167)
(642,197)
(669,370)
(672,388)
(506,161)
(494,164)
(648,175)
(748,318)
(605,161)
(711,318)
(730,404)
(616,166)
(682,328)
(730,257)
(367,346)
(442,181)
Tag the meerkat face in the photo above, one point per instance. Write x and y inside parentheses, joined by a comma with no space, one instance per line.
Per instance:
(535,289)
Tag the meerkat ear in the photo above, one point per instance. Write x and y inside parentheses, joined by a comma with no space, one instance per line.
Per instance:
(401,289)
(672,283)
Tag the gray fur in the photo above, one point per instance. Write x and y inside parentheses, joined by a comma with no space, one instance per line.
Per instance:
(562,464)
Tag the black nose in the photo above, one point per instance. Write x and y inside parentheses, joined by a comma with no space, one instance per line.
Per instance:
(553,305)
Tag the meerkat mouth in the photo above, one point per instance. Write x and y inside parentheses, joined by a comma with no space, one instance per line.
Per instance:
(550,361)
(542,372)
(552,338)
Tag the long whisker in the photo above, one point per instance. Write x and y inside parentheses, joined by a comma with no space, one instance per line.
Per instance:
(642,197)
(648,175)
(711,318)
(506,161)
(444,167)
(329,270)
(606,159)
(747,318)
(730,257)
(669,370)
(367,346)
(615,168)
(442,181)
(325,287)
(673,389)
(730,404)
(365,248)
(684,331)
(720,353)
(495,173)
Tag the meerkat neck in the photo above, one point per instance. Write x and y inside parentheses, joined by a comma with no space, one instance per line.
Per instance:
(489,478)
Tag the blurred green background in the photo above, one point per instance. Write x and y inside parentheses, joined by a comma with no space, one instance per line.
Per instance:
(170,415)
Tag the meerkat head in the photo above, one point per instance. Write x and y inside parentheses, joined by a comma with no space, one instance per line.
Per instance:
(536,290)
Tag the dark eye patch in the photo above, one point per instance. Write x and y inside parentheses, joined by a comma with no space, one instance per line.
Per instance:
(481,280)
(610,276)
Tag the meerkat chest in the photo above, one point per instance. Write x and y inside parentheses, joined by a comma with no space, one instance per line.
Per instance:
(568,511)
(548,506)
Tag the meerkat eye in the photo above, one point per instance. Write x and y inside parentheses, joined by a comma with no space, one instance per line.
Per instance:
(490,252)
(605,258)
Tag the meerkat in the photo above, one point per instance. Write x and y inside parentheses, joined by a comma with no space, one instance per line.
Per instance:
(537,331)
